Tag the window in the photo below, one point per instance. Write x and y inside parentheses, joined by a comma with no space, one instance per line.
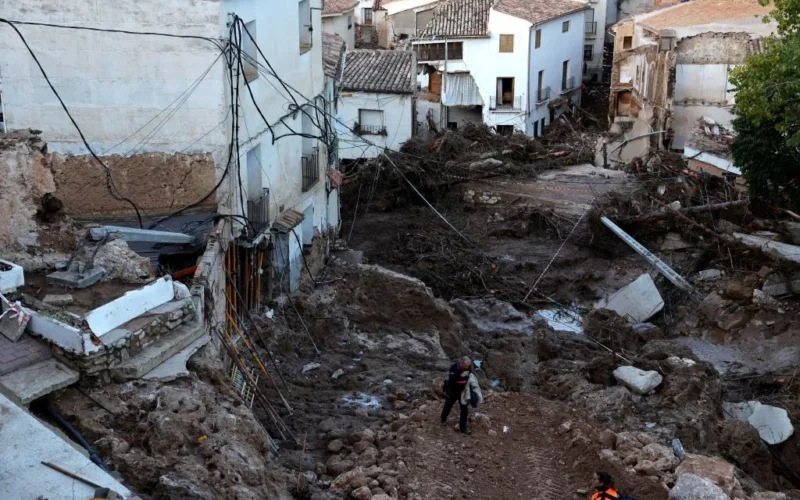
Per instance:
(505,129)
(304,25)
(565,75)
(627,42)
(250,51)
(435,51)
(452,125)
(536,129)
(366,16)
(542,94)
(588,52)
(349,22)
(506,43)
(370,121)
(538,39)
(541,126)
(565,26)
(591,25)
(505,94)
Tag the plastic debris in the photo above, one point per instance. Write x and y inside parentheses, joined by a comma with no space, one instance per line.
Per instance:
(677,447)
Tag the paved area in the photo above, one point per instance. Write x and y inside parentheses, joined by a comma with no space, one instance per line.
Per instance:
(38,380)
(22,353)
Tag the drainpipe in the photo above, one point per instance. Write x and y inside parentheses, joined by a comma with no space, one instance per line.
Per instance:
(444,88)
(531,35)
(93,456)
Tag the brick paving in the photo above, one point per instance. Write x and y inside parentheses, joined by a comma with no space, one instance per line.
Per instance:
(25,352)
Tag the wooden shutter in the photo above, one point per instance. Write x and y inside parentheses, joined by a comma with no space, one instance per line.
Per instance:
(506,43)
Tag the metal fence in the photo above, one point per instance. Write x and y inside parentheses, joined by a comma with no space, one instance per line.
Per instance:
(371,129)
(514,105)
(258,212)
(310,169)
(591,28)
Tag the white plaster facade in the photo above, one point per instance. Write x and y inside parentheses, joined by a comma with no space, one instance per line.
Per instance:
(396,112)
(341,24)
(359,14)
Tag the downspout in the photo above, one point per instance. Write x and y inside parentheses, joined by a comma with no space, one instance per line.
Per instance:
(444,89)
(529,111)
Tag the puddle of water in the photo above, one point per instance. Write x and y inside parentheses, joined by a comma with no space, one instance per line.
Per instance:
(362,400)
(562,320)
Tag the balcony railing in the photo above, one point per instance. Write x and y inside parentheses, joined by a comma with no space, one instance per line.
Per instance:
(591,28)
(515,104)
(371,129)
(568,84)
(258,212)
(310,163)
(543,95)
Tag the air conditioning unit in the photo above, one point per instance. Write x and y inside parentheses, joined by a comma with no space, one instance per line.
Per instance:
(666,40)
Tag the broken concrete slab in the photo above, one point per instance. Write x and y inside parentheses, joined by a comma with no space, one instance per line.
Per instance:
(779,287)
(772,423)
(175,366)
(58,300)
(76,280)
(712,305)
(14,319)
(639,381)
(38,380)
(793,228)
(350,256)
(133,234)
(12,276)
(132,304)
(731,321)
(637,302)
(772,248)
(674,241)
(156,353)
(490,316)
(708,275)
(310,367)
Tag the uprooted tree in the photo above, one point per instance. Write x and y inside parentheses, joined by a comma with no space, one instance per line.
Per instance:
(767,146)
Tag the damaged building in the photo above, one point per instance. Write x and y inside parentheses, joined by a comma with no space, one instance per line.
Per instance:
(671,69)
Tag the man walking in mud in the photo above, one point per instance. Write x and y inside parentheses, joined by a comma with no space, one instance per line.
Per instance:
(453,388)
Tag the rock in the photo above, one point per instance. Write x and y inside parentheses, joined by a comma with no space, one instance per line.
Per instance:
(739,411)
(335,446)
(730,321)
(708,275)
(677,363)
(362,493)
(778,286)
(762,299)
(637,302)
(349,480)
(630,441)
(362,446)
(768,495)
(772,423)
(793,228)
(388,454)
(712,305)
(716,470)
(674,241)
(481,422)
(400,405)
(738,291)
(647,331)
(692,487)
(311,366)
(740,444)
(369,457)
(638,381)
(336,466)
(382,496)
(608,439)
(58,300)
(123,263)
(367,435)
(490,316)
(337,374)
(660,455)
(437,386)
(373,471)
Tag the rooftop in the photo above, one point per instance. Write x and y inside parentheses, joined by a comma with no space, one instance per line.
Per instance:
(335,7)
(714,15)
(333,48)
(388,71)
(460,18)
(538,11)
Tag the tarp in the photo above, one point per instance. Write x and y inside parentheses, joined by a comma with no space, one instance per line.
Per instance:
(461,90)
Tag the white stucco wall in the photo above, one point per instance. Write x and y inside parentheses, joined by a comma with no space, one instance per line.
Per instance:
(604,16)
(556,47)
(363,4)
(685,117)
(398,117)
(338,25)
(704,82)
(113,83)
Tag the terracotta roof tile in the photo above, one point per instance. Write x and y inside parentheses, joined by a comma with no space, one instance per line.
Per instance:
(333,48)
(333,7)
(460,19)
(391,71)
(701,12)
(538,11)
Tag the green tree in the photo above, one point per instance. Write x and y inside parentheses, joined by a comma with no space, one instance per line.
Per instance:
(767,146)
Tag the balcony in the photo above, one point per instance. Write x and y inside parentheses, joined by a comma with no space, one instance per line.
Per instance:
(591,28)
(513,104)
(543,95)
(567,84)
(258,212)
(310,164)
(370,129)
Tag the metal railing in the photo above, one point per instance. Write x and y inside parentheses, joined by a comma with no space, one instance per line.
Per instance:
(543,95)
(310,165)
(371,129)
(258,212)
(568,84)
(514,105)
(591,28)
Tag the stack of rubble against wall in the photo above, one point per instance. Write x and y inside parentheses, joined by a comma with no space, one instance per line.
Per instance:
(671,67)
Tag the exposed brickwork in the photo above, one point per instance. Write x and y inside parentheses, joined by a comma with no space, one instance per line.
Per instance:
(25,352)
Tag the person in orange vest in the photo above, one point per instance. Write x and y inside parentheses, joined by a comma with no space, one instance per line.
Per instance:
(603,484)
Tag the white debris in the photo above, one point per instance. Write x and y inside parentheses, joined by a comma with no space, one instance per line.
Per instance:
(637,302)
(561,320)
(639,381)
(772,423)
(739,411)
(311,366)
(692,487)
(772,248)
(677,363)
(708,275)
(338,373)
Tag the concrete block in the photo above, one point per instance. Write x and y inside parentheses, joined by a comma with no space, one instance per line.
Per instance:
(12,276)
(132,304)
(772,423)
(58,300)
(639,381)
(637,302)
(175,366)
(13,322)
(159,351)
(133,234)
(708,275)
(772,248)
(39,380)
(76,280)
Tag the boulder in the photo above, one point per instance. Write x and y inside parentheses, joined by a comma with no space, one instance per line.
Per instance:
(638,381)
(772,423)
(438,387)
(362,493)
(738,291)
(692,487)
(335,446)
(349,480)
(336,466)
(716,470)
(739,411)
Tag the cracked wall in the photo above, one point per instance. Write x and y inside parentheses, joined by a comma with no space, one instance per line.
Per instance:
(158,183)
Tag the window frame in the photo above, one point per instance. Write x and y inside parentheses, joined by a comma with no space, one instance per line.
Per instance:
(538,39)
(366,16)
(588,48)
(565,26)
(502,46)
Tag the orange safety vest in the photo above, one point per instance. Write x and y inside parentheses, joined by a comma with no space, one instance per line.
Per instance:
(608,494)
